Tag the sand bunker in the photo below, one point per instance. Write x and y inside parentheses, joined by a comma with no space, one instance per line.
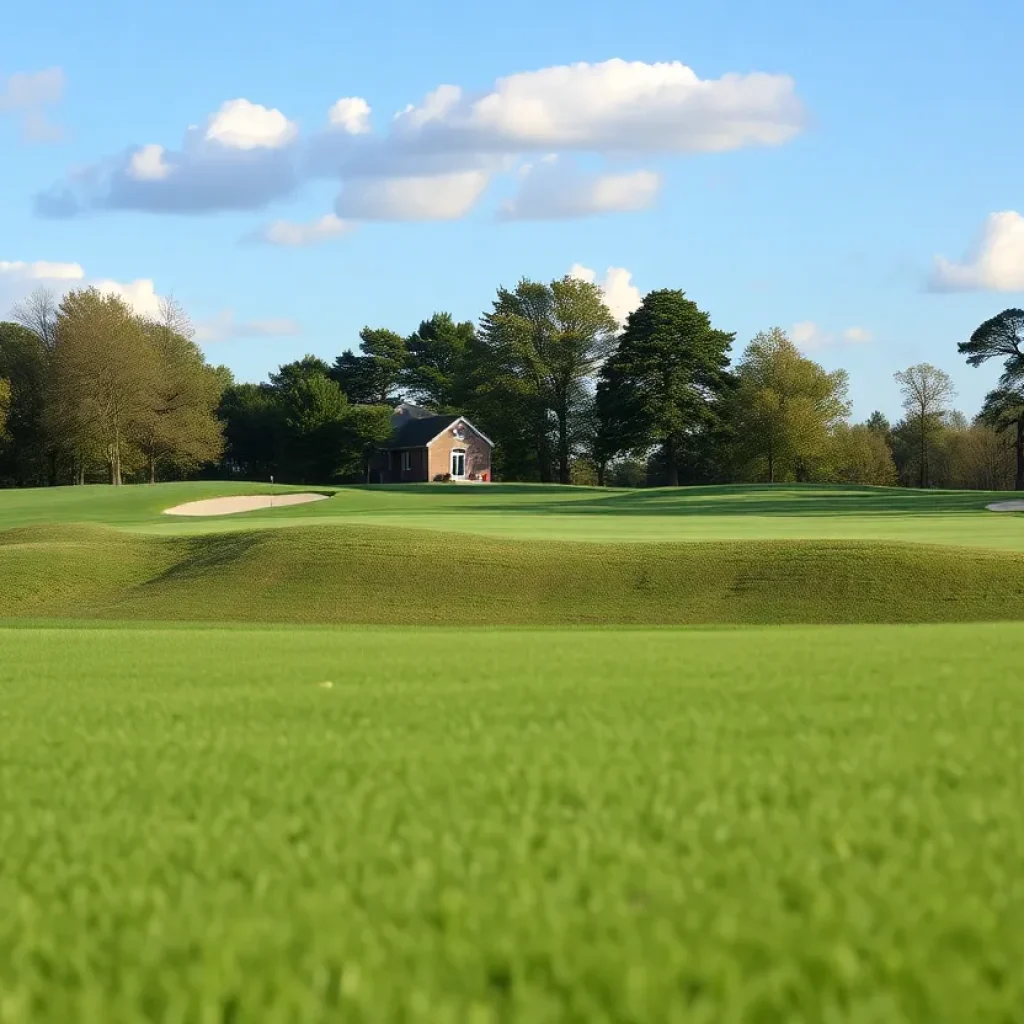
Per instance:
(1006,506)
(228,506)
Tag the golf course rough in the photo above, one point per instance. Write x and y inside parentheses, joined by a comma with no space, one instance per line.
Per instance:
(770,825)
(318,763)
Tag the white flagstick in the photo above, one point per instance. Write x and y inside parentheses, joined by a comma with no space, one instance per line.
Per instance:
(271,492)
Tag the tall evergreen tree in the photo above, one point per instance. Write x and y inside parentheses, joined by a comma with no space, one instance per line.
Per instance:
(374,377)
(437,371)
(664,384)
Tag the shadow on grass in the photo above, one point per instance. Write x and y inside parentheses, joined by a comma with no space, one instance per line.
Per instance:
(727,500)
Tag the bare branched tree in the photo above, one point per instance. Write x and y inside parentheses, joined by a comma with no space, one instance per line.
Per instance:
(38,313)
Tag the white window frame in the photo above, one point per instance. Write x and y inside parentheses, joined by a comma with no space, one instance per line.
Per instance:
(406,462)
(451,463)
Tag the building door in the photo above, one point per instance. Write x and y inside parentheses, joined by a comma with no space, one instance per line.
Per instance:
(458,469)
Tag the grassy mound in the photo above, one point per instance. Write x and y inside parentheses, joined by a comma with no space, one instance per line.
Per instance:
(384,575)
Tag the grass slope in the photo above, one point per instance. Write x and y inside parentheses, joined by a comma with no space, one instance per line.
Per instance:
(361,574)
(796,826)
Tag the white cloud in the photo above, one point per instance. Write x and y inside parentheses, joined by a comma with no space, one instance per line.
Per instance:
(293,235)
(140,294)
(615,106)
(621,296)
(240,124)
(857,335)
(27,94)
(18,278)
(995,263)
(435,158)
(551,191)
(441,197)
(350,114)
(41,271)
(809,337)
(148,164)
(226,327)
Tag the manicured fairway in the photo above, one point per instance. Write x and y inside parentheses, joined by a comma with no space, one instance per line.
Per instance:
(740,513)
(766,825)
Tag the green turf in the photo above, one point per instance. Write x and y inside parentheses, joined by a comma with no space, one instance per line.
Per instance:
(754,512)
(363,574)
(796,825)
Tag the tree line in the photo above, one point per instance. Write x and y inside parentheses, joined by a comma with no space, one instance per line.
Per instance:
(91,391)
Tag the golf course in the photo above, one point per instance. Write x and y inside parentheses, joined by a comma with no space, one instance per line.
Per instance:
(511,753)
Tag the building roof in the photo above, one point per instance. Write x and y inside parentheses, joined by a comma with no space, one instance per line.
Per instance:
(418,433)
(406,411)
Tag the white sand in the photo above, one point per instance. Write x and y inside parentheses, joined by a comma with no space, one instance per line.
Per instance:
(1006,506)
(228,506)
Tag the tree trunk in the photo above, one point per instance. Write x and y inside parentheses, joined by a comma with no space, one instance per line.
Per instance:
(600,467)
(563,446)
(771,469)
(152,470)
(923,473)
(1019,484)
(671,464)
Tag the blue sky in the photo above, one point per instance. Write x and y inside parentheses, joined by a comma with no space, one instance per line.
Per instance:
(817,195)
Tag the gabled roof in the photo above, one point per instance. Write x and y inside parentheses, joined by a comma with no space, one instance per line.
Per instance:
(418,433)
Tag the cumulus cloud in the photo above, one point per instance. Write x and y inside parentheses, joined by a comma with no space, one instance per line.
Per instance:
(18,278)
(621,296)
(41,271)
(240,124)
(995,263)
(553,191)
(27,94)
(248,155)
(148,164)
(441,197)
(810,337)
(242,158)
(140,294)
(225,326)
(293,235)
(615,106)
(350,114)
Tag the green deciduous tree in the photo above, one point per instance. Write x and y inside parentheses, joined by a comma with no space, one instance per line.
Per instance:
(550,339)
(664,384)
(785,408)
(927,392)
(104,381)
(181,432)
(5,409)
(861,455)
(1003,410)
(250,416)
(23,364)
